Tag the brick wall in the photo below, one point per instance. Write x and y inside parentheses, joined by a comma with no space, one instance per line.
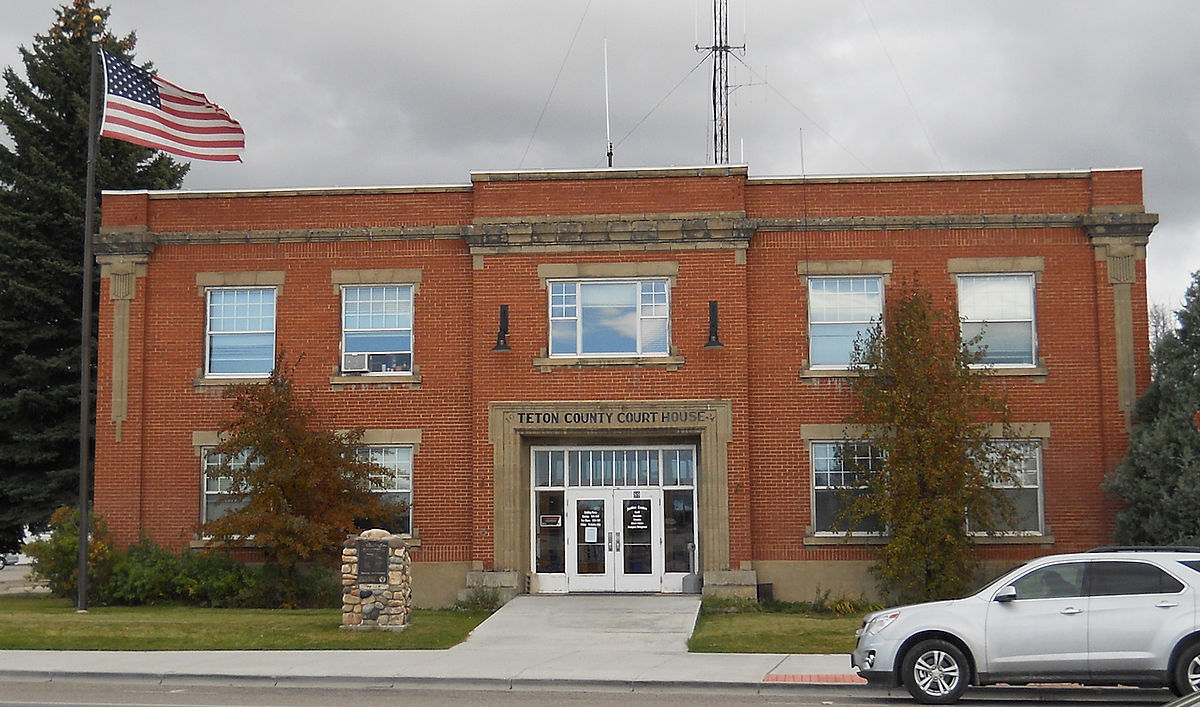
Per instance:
(149,481)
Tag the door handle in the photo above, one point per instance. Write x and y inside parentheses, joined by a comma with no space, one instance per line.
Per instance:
(1071,611)
(610,541)
(617,537)
(1167,604)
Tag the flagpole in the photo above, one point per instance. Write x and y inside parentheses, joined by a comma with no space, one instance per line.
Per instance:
(85,344)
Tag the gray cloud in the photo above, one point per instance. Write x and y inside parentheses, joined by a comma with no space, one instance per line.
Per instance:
(373,92)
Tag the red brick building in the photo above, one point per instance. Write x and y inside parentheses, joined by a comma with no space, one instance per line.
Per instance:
(576,377)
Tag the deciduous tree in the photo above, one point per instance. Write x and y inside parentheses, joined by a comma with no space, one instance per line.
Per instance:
(923,404)
(299,489)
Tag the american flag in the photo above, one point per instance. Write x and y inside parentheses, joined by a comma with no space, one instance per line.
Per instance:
(142,108)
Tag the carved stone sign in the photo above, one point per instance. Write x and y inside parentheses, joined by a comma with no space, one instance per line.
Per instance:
(372,561)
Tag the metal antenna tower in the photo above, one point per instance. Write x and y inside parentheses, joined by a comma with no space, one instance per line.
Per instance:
(720,85)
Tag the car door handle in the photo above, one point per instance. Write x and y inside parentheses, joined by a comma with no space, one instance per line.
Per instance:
(1071,611)
(1167,604)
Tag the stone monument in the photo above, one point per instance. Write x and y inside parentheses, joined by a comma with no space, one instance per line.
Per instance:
(376,582)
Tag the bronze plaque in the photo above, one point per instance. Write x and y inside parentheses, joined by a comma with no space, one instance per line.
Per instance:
(372,561)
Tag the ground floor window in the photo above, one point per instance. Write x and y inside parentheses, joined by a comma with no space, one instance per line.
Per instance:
(838,470)
(1023,488)
(394,483)
(217,498)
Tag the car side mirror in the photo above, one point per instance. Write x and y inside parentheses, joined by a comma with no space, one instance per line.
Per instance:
(1006,595)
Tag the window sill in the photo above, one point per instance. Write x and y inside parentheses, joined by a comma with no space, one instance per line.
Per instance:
(829,373)
(671,363)
(205,543)
(202,381)
(864,539)
(1038,373)
(857,539)
(411,380)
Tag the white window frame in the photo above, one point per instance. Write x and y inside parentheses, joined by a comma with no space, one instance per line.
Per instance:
(653,305)
(399,480)
(1030,320)
(1028,478)
(862,324)
(210,334)
(847,479)
(405,369)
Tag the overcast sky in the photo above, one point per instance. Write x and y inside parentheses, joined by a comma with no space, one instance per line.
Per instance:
(360,92)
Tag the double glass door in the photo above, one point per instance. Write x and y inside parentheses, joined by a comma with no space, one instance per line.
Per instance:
(614,539)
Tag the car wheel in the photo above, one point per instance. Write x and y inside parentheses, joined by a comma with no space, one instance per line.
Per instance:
(3,564)
(1186,678)
(935,672)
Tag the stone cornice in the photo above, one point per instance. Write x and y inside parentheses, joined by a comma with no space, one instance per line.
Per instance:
(669,231)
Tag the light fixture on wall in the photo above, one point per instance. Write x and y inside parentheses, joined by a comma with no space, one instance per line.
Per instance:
(502,332)
(713,341)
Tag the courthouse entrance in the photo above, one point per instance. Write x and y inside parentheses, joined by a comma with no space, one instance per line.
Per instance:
(613,518)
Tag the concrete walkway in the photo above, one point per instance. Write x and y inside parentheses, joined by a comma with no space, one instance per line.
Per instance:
(582,640)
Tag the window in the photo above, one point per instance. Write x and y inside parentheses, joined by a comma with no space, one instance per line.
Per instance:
(1052,582)
(838,467)
(1114,578)
(609,318)
(1023,490)
(217,501)
(840,310)
(240,332)
(394,483)
(999,309)
(377,328)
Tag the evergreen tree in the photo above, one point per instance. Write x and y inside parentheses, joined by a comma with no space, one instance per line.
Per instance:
(42,201)
(921,405)
(1159,480)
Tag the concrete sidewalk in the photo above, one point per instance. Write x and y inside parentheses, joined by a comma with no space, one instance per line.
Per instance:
(611,641)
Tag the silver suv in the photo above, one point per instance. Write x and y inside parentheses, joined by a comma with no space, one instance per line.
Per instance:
(1107,617)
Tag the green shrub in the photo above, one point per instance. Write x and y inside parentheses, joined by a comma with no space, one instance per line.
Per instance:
(282,587)
(149,574)
(55,560)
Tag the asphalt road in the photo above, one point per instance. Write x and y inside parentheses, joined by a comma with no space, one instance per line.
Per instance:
(77,693)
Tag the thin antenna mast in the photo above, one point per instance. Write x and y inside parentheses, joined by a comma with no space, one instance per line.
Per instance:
(720,85)
(607,124)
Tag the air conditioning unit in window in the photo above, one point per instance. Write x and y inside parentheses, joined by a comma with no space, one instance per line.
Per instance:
(354,362)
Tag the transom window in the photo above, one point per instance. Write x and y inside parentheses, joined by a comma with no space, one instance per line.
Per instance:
(838,469)
(377,329)
(624,466)
(240,331)
(840,310)
(394,483)
(609,318)
(1000,310)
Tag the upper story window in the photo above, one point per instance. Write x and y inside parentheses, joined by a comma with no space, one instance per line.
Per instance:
(240,332)
(377,325)
(999,308)
(394,483)
(609,317)
(840,310)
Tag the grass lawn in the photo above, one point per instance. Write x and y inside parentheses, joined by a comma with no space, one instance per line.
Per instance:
(773,632)
(38,622)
